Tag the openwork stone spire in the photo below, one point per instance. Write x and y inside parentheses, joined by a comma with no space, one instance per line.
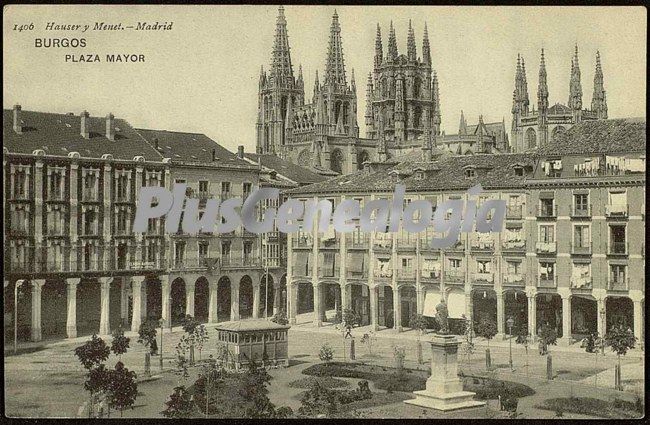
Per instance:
(379,50)
(335,66)
(392,43)
(411,52)
(575,87)
(542,87)
(599,101)
(426,50)
(281,70)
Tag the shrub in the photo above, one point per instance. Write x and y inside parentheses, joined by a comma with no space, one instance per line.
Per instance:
(318,400)
(280,318)
(487,329)
(180,404)
(351,318)
(123,388)
(93,352)
(326,353)
(418,322)
(147,336)
(547,336)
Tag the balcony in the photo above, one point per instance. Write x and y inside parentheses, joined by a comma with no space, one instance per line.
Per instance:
(547,281)
(328,272)
(454,277)
(547,211)
(583,212)
(514,246)
(126,231)
(514,279)
(329,240)
(148,265)
(225,196)
(383,241)
(514,212)
(583,249)
(431,274)
(616,211)
(302,241)
(483,278)
(482,244)
(57,231)
(123,198)
(383,272)
(355,274)
(618,283)
(406,274)
(582,282)
(357,240)
(546,247)
(457,247)
(407,241)
(617,248)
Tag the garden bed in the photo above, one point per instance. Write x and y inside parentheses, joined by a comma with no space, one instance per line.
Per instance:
(617,409)
(325,381)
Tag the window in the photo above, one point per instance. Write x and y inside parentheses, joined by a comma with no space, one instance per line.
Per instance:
(225,188)
(617,275)
(470,173)
(547,207)
(203,187)
(513,267)
(617,239)
(203,250)
(581,275)
(225,249)
(484,266)
(581,204)
(519,171)
(547,233)
(179,253)
(581,238)
(617,203)
(455,263)
(248,251)
(247,188)
(546,270)
(122,187)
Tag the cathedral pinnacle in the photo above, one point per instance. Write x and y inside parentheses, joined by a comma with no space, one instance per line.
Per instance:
(392,43)
(411,51)
(542,87)
(426,50)
(575,87)
(281,70)
(379,54)
(335,67)
(599,102)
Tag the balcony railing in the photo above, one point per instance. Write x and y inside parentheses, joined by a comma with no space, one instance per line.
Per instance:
(303,241)
(514,246)
(56,196)
(616,210)
(584,282)
(617,248)
(57,231)
(546,247)
(618,283)
(328,272)
(514,212)
(547,211)
(430,274)
(357,240)
(514,279)
(354,274)
(406,273)
(454,276)
(484,244)
(547,281)
(458,246)
(583,212)
(407,241)
(583,249)
(483,277)
(384,241)
(386,273)
(19,232)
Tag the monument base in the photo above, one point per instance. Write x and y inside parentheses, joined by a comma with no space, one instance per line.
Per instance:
(445,402)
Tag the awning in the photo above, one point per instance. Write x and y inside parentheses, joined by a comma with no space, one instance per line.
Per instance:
(456,305)
(431,300)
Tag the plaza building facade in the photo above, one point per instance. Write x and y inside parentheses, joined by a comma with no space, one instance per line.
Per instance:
(70,197)
(571,254)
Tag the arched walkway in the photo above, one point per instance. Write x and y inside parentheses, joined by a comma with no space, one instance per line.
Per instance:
(549,312)
(515,305)
(177,301)
(265,311)
(360,301)
(484,306)
(245,297)
(24,311)
(305,297)
(331,299)
(385,307)
(54,308)
(408,303)
(201,299)
(154,298)
(88,302)
(223,299)
(619,312)
(584,316)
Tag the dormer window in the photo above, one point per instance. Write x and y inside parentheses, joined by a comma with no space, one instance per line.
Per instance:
(470,173)
(519,170)
(419,175)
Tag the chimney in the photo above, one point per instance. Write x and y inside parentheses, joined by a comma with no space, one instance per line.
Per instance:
(18,126)
(110,127)
(240,151)
(156,144)
(85,125)
(214,154)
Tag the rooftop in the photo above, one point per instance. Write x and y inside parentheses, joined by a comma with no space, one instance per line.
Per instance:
(250,325)
(295,172)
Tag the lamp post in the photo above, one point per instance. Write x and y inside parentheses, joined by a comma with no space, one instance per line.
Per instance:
(161,322)
(510,322)
(18,284)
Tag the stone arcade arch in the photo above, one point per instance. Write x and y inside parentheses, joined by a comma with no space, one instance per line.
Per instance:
(408,304)
(484,306)
(88,302)
(245,297)
(515,305)
(223,299)
(54,310)
(549,312)
(202,299)
(177,300)
(305,298)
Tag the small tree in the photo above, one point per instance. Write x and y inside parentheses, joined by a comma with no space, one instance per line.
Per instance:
(280,318)
(200,337)
(399,353)
(93,352)
(189,326)
(620,339)
(123,388)
(487,329)
(318,401)
(524,338)
(253,390)
(147,337)
(120,343)
(97,383)
(547,336)
(326,353)
(180,404)
(368,339)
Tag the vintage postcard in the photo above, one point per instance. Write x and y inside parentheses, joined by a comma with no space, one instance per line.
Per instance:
(326,211)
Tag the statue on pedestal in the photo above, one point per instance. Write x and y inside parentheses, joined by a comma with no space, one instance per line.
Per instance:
(442,318)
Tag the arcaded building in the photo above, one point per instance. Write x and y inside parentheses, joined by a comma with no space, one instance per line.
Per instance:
(571,253)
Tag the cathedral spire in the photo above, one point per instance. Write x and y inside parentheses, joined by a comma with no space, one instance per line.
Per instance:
(353,83)
(411,51)
(524,85)
(436,104)
(392,43)
(335,67)
(542,88)
(462,127)
(426,50)
(379,53)
(316,86)
(599,102)
(575,87)
(369,116)
(281,70)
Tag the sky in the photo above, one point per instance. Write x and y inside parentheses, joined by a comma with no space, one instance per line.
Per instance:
(202,76)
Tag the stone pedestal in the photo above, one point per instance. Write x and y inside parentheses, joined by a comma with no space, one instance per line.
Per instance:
(444,389)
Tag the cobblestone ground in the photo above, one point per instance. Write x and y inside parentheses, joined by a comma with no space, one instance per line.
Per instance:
(46,379)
